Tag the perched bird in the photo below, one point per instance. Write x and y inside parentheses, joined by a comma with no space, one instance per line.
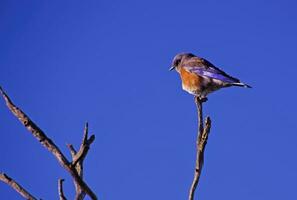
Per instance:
(200,77)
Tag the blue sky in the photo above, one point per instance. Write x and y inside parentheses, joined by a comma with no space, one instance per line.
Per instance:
(106,62)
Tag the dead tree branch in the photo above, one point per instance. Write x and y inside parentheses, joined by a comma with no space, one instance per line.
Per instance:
(203,132)
(17,187)
(52,147)
(78,159)
(60,189)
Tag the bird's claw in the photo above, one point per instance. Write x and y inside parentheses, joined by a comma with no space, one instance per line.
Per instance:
(203,99)
(200,99)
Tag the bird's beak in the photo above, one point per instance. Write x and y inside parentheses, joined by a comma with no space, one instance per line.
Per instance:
(171,68)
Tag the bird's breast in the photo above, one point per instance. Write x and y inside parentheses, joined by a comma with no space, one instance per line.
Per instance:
(190,81)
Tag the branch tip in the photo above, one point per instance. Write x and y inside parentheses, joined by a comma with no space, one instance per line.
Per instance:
(4,95)
(71,149)
(60,189)
(17,187)
(91,139)
(86,132)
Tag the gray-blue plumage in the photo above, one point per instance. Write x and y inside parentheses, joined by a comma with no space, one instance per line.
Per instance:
(211,73)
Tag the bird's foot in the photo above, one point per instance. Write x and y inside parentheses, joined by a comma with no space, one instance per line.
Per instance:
(200,99)
(203,99)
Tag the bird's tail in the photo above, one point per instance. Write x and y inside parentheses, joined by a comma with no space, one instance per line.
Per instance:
(242,85)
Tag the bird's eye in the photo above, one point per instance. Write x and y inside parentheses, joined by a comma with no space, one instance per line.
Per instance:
(176,62)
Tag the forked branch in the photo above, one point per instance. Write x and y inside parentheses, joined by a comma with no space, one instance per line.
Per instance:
(78,159)
(71,167)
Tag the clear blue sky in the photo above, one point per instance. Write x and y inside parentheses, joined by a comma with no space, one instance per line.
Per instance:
(106,62)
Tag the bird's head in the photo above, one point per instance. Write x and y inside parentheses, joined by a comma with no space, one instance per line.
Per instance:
(178,60)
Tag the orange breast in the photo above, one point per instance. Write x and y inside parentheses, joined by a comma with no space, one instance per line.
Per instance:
(190,80)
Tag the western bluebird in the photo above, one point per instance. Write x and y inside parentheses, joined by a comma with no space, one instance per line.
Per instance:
(200,77)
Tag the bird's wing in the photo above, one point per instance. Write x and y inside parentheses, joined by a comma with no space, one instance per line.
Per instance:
(202,67)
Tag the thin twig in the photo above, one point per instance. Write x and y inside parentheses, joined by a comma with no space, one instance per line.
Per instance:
(202,137)
(17,187)
(48,144)
(71,149)
(60,189)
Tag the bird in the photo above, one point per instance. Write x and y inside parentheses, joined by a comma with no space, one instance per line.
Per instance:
(200,77)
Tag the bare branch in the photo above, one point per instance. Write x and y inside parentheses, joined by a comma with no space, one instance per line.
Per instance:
(78,158)
(71,149)
(80,195)
(17,187)
(84,147)
(35,130)
(60,189)
(201,142)
(48,144)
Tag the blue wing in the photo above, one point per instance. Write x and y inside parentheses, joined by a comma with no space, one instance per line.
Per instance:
(203,67)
